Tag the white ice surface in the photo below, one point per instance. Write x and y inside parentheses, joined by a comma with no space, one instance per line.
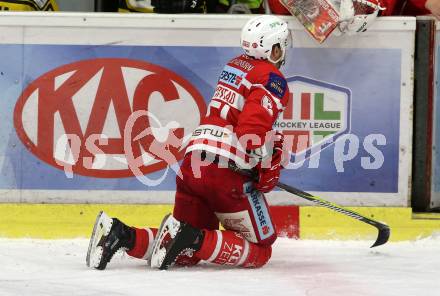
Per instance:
(313,268)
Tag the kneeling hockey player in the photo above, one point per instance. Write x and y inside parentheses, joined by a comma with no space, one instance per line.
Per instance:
(237,130)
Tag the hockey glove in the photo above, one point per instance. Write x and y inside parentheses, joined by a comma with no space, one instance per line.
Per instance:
(356,15)
(178,6)
(269,172)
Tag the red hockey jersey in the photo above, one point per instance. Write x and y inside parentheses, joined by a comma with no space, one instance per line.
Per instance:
(248,98)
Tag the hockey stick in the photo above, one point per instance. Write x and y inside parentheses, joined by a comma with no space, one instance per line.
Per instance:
(384,230)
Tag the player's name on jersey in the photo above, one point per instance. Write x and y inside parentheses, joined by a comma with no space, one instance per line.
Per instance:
(242,64)
(307,125)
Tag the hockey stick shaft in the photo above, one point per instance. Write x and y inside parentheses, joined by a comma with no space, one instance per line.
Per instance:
(383,229)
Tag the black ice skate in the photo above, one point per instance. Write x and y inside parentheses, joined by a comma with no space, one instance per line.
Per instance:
(175,238)
(108,236)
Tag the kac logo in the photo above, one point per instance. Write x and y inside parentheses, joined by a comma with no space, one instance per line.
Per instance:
(316,115)
(76,115)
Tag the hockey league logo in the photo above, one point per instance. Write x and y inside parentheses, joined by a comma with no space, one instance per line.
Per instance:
(316,115)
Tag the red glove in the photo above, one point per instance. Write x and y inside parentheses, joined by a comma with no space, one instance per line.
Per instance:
(269,172)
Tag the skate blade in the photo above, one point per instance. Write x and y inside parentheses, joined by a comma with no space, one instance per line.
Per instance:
(169,226)
(102,227)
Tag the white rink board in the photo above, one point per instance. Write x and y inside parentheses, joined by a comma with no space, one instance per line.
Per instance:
(206,30)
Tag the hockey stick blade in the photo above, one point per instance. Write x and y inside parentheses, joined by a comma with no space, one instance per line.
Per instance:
(383,229)
(383,236)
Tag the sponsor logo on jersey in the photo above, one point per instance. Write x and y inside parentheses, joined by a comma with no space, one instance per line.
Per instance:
(316,114)
(276,85)
(231,76)
(91,102)
(215,132)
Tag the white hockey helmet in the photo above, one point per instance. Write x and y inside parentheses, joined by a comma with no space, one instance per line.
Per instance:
(262,32)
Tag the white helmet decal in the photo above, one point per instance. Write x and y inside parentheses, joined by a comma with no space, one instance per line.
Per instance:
(262,32)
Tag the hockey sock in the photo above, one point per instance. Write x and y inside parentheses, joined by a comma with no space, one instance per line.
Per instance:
(143,243)
(230,248)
